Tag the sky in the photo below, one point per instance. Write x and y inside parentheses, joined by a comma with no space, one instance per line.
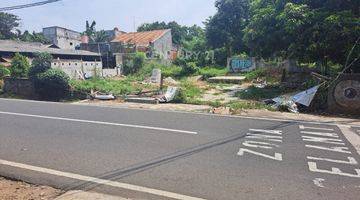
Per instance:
(124,14)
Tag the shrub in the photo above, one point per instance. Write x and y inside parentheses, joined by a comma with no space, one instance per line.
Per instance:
(189,69)
(133,63)
(40,64)
(116,87)
(19,66)
(255,74)
(171,71)
(4,72)
(52,84)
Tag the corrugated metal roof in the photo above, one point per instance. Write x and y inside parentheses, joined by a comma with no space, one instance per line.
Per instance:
(32,47)
(140,38)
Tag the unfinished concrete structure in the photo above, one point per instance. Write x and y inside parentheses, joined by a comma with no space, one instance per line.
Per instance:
(157,43)
(62,37)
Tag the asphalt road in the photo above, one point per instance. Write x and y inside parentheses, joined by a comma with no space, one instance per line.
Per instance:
(144,154)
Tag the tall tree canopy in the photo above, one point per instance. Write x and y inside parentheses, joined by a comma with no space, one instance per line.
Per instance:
(8,25)
(225,28)
(307,30)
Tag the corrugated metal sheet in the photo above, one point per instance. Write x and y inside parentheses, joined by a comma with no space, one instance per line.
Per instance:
(30,47)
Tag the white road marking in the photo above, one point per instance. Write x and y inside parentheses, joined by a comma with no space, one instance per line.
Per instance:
(352,161)
(185,112)
(334,171)
(334,149)
(318,182)
(333,135)
(352,137)
(315,128)
(99,181)
(277,156)
(99,122)
(322,140)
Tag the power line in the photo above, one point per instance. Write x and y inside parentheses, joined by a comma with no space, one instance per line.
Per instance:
(27,5)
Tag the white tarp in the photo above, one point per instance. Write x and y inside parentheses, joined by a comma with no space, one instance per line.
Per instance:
(305,98)
(170,93)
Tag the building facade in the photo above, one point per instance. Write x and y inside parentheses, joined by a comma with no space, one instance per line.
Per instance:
(73,62)
(62,37)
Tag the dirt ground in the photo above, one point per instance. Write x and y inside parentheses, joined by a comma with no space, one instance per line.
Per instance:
(257,113)
(16,190)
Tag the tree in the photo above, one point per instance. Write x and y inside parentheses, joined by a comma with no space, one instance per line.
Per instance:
(306,30)
(19,66)
(4,71)
(225,28)
(101,36)
(179,33)
(90,29)
(34,37)
(40,64)
(8,24)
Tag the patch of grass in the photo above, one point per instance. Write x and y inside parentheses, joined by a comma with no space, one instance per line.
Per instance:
(116,87)
(166,70)
(255,74)
(208,72)
(254,93)
(189,93)
(242,105)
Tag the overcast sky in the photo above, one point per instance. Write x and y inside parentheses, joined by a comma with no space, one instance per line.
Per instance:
(108,14)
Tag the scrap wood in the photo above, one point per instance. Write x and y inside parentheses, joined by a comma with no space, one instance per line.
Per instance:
(319,76)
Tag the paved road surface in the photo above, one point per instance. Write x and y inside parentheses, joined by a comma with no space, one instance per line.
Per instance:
(143,154)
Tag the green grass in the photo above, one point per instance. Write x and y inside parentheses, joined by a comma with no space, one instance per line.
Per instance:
(208,72)
(254,93)
(254,74)
(189,93)
(167,71)
(241,105)
(116,87)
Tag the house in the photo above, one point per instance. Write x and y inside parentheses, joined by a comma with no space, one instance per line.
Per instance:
(62,37)
(157,43)
(70,61)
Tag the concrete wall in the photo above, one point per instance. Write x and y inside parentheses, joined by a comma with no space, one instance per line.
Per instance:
(71,67)
(164,46)
(63,38)
(20,87)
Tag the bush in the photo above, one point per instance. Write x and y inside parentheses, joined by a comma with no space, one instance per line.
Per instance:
(116,87)
(255,74)
(19,66)
(208,72)
(133,63)
(4,72)
(40,64)
(52,84)
(189,69)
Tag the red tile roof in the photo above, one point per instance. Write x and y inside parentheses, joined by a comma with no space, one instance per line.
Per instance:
(140,38)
